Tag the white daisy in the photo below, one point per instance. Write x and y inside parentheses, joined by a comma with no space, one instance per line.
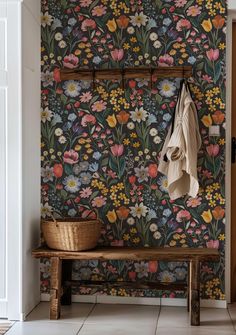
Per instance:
(153,132)
(62,139)
(46,114)
(130,30)
(157,235)
(153,227)
(72,88)
(130,125)
(58,36)
(167,88)
(58,132)
(46,19)
(157,140)
(130,221)
(153,36)
(157,44)
(46,210)
(139,210)
(139,19)
(139,115)
(62,44)
(72,184)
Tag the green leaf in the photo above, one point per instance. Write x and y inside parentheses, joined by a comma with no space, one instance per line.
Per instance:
(68,169)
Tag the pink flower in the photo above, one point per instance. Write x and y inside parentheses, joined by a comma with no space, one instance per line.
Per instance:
(85,97)
(213,244)
(88,118)
(99,201)
(180,3)
(183,24)
(85,192)
(207,78)
(88,24)
(194,202)
(117,243)
(71,61)
(117,150)
(99,10)
(99,106)
(183,215)
(71,157)
(213,54)
(165,60)
(117,54)
(213,150)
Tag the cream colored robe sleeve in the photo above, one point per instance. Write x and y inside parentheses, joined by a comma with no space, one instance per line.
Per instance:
(181,148)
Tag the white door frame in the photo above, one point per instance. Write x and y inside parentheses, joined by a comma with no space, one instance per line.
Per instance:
(230,20)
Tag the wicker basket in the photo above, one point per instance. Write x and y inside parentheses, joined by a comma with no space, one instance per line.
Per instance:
(71,234)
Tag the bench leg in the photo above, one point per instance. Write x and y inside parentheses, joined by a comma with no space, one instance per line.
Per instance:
(194,292)
(188,288)
(55,292)
(66,276)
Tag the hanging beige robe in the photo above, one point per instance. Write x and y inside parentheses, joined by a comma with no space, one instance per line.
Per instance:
(179,154)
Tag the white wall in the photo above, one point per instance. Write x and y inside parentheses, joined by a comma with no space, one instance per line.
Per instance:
(232,4)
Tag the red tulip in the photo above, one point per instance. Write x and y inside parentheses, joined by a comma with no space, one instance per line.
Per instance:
(58,170)
(117,54)
(152,170)
(152,266)
(213,150)
(57,75)
(213,244)
(117,150)
(213,54)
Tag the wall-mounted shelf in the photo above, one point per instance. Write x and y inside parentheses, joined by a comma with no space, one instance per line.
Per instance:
(126,73)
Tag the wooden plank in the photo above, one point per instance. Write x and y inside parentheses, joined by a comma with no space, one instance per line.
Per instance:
(126,73)
(182,286)
(194,291)
(66,276)
(125,253)
(55,291)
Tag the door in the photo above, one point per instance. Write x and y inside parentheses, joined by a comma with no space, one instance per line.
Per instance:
(233,177)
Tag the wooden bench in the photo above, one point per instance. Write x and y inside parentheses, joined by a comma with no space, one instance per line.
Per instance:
(61,271)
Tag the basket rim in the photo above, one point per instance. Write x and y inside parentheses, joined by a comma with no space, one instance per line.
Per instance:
(71,221)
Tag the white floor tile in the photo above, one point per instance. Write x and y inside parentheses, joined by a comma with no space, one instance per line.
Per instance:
(123,315)
(193,331)
(44,328)
(115,329)
(77,312)
(178,317)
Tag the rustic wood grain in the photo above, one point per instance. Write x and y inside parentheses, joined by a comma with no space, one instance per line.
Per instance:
(138,254)
(126,73)
(55,291)
(194,291)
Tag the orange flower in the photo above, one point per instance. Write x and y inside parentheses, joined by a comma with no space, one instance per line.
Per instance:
(218,117)
(122,213)
(123,21)
(152,170)
(123,117)
(218,213)
(58,170)
(152,266)
(218,22)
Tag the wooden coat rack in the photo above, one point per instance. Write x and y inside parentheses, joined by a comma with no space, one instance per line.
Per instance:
(126,73)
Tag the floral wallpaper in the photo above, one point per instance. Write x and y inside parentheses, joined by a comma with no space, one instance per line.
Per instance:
(101,145)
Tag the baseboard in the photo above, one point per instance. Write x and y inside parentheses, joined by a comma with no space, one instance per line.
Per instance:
(107,299)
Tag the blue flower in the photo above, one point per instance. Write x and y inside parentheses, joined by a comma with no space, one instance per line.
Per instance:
(72,117)
(84,166)
(151,215)
(151,24)
(180,273)
(151,119)
(167,212)
(85,178)
(72,184)
(93,167)
(72,212)
(56,24)
(167,22)
(56,119)
(72,21)
(97,60)
(192,60)
(167,117)
(67,126)
(97,155)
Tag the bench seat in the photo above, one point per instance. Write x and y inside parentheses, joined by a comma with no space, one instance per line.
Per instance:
(61,270)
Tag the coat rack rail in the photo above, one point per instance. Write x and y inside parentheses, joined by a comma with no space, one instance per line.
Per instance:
(126,73)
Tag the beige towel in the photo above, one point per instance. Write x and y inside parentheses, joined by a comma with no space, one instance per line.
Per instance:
(181,148)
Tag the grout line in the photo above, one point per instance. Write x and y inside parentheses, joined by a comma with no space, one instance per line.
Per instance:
(94,305)
(158,316)
(231,319)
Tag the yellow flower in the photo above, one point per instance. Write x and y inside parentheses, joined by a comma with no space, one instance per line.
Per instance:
(207,25)
(207,120)
(221,237)
(111,120)
(206,215)
(111,215)
(111,25)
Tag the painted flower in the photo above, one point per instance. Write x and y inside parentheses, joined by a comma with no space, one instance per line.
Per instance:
(139,115)
(167,88)
(157,235)
(207,120)
(183,24)
(141,173)
(207,217)
(117,54)
(213,244)
(47,174)
(85,192)
(218,117)
(139,19)
(167,277)
(218,213)
(165,60)
(46,19)
(99,10)
(213,150)
(218,22)
(122,22)
(85,3)
(46,114)
(194,11)
(111,216)
(99,201)
(152,266)
(123,117)
(194,202)
(88,24)
(70,157)
(207,25)
(152,170)
(180,3)
(111,120)
(88,119)
(85,97)
(111,25)
(47,78)
(99,106)
(153,227)
(163,182)
(139,210)
(122,212)
(85,178)
(58,170)
(70,61)
(117,150)
(72,184)
(46,210)
(72,88)
(213,54)
(183,215)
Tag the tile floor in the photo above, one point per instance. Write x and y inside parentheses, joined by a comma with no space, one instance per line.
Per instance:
(98,319)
